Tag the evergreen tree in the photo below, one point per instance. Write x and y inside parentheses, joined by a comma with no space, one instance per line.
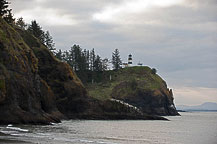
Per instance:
(82,62)
(37,31)
(59,55)
(78,58)
(72,57)
(6,13)
(116,60)
(66,57)
(77,54)
(9,17)
(48,41)
(92,59)
(87,58)
(97,64)
(20,23)
(105,64)
(3,7)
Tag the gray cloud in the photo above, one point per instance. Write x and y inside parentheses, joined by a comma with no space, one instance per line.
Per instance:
(179,39)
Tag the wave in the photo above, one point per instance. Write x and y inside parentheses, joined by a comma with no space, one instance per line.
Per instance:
(17,129)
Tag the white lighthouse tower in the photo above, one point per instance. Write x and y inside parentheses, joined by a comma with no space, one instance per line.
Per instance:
(130,60)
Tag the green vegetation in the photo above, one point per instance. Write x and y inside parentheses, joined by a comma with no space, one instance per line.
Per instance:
(9,17)
(125,81)
(89,66)
(20,23)
(3,7)
(34,28)
(116,60)
(6,13)
(3,35)
(153,71)
(2,85)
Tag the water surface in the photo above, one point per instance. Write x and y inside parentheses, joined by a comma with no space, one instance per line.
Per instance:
(190,128)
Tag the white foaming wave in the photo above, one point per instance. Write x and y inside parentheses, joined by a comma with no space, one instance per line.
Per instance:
(96,142)
(53,123)
(106,142)
(18,134)
(86,141)
(17,129)
(7,132)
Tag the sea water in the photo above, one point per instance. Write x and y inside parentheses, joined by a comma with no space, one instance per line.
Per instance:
(190,128)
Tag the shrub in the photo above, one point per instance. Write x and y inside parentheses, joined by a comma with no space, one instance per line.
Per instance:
(153,71)
(133,84)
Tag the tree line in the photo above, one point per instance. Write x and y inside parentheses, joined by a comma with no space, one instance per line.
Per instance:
(88,65)
(34,28)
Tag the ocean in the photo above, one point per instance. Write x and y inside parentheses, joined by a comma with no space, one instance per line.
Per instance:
(190,128)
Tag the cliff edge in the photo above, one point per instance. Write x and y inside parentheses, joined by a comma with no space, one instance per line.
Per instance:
(138,86)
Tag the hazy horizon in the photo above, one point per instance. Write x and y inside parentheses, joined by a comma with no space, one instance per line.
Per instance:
(177,37)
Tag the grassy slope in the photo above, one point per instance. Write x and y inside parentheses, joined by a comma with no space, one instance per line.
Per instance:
(141,77)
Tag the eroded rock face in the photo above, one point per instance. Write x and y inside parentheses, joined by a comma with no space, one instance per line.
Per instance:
(21,96)
(155,102)
(139,86)
(71,96)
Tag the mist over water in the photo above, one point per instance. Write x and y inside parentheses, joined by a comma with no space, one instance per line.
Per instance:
(190,128)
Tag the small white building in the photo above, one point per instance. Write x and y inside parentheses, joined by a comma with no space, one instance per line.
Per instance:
(139,64)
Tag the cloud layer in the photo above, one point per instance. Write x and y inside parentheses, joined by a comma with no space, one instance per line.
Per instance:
(178,37)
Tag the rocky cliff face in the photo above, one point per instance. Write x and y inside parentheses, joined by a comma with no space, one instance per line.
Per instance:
(157,102)
(35,87)
(145,90)
(24,96)
(137,86)
(71,96)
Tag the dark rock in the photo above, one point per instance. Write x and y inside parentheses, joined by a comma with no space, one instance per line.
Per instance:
(21,96)
(70,95)
(157,101)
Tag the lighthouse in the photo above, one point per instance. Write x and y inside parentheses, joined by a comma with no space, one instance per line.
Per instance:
(130,60)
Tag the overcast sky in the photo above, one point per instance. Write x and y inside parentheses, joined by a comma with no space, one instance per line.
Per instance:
(177,37)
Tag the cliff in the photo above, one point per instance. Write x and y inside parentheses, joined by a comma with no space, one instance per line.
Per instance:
(70,94)
(24,96)
(37,88)
(137,86)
